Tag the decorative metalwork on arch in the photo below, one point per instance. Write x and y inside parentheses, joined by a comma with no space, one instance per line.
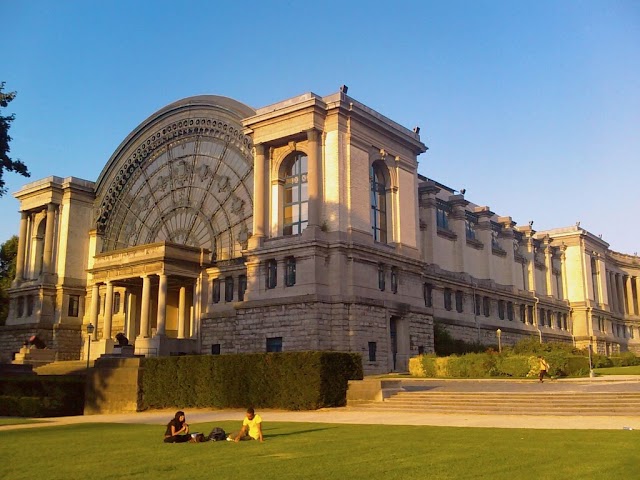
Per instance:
(190,181)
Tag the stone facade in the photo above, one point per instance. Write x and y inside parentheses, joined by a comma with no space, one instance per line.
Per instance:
(303,225)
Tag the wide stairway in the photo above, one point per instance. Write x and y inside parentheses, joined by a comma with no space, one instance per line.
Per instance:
(507,403)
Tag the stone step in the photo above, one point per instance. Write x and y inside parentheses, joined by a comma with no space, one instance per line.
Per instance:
(516,403)
(454,409)
(512,402)
(69,367)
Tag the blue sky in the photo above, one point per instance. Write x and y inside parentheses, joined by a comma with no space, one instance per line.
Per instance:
(532,106)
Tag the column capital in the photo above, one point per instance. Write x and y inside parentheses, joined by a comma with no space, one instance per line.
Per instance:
(259,149)
(313,135)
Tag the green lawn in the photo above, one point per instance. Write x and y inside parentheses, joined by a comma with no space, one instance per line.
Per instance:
(319,451)
(635,370)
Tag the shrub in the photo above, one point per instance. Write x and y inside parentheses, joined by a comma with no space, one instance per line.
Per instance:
(625,359)
(513,366)
(291,380)
(41,396)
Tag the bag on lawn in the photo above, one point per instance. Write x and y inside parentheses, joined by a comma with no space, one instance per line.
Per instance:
(217,434)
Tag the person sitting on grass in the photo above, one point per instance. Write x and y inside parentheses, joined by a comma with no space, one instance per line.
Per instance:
(177,430)
(251,428)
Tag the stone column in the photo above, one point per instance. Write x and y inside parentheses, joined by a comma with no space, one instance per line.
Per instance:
(485,234)
(182,304)
(629,295)
(131,315)
(95,305)
(507,245)
(314,178)
(458,226)
(531,261)
(428,226)
(637,308)
(619,293)
(563,272)
(144,306)
(22,246)
(108,312)
(162,305)
(260,174)
(48,239)
(548,263)
(612,292)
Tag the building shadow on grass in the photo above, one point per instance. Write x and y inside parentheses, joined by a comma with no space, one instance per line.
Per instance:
(270,433)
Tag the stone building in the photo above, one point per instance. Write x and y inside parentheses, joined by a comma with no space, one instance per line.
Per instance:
(303,225)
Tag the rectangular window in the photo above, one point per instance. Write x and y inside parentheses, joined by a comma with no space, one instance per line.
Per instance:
(29,305)
(215,349)
(74,304)
(523,313)
(459,301)
(447,299)
(477,304)
(242,287)
(228,289)
(290,272)
(272,274)
(394,280)
(381,284)
(542,321)
(470,229)
(274,344)
(501,309)
(20,308)
(116,302)
(486,306)
(510,311)
(442,220)
(427,292)
(372,351)
(215,297)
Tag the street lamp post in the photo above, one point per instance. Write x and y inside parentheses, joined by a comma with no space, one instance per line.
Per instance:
(90,328)
(499,333)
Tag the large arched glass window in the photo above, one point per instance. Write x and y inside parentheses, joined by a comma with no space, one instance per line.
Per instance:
(296,196)
(378,203)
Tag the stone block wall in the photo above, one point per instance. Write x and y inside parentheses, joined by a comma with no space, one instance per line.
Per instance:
(317,325)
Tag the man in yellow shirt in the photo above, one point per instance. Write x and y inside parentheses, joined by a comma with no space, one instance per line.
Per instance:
(544,368)
(251,428)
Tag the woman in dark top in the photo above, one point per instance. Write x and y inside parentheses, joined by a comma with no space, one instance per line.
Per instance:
(177,430)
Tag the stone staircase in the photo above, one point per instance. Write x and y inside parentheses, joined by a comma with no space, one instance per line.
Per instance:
(509,403)
(69,367)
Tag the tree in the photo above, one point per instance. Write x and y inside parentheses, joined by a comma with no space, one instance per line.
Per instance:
(5,161)
(8,255)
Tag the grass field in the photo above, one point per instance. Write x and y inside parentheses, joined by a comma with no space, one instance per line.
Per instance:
(319,451)
(635,370)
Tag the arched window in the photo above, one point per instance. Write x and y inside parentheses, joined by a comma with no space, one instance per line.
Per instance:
(296,196)
(378,203)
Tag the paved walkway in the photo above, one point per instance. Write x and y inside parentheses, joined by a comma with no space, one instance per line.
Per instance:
(355,416)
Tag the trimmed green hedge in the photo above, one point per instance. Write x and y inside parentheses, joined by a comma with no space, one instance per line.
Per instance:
(41,396)
(290,380)
(492,364)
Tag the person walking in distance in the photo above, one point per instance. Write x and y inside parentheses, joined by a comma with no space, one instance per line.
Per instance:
(544,368)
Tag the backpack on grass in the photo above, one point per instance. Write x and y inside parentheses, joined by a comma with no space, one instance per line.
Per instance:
(217,434)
